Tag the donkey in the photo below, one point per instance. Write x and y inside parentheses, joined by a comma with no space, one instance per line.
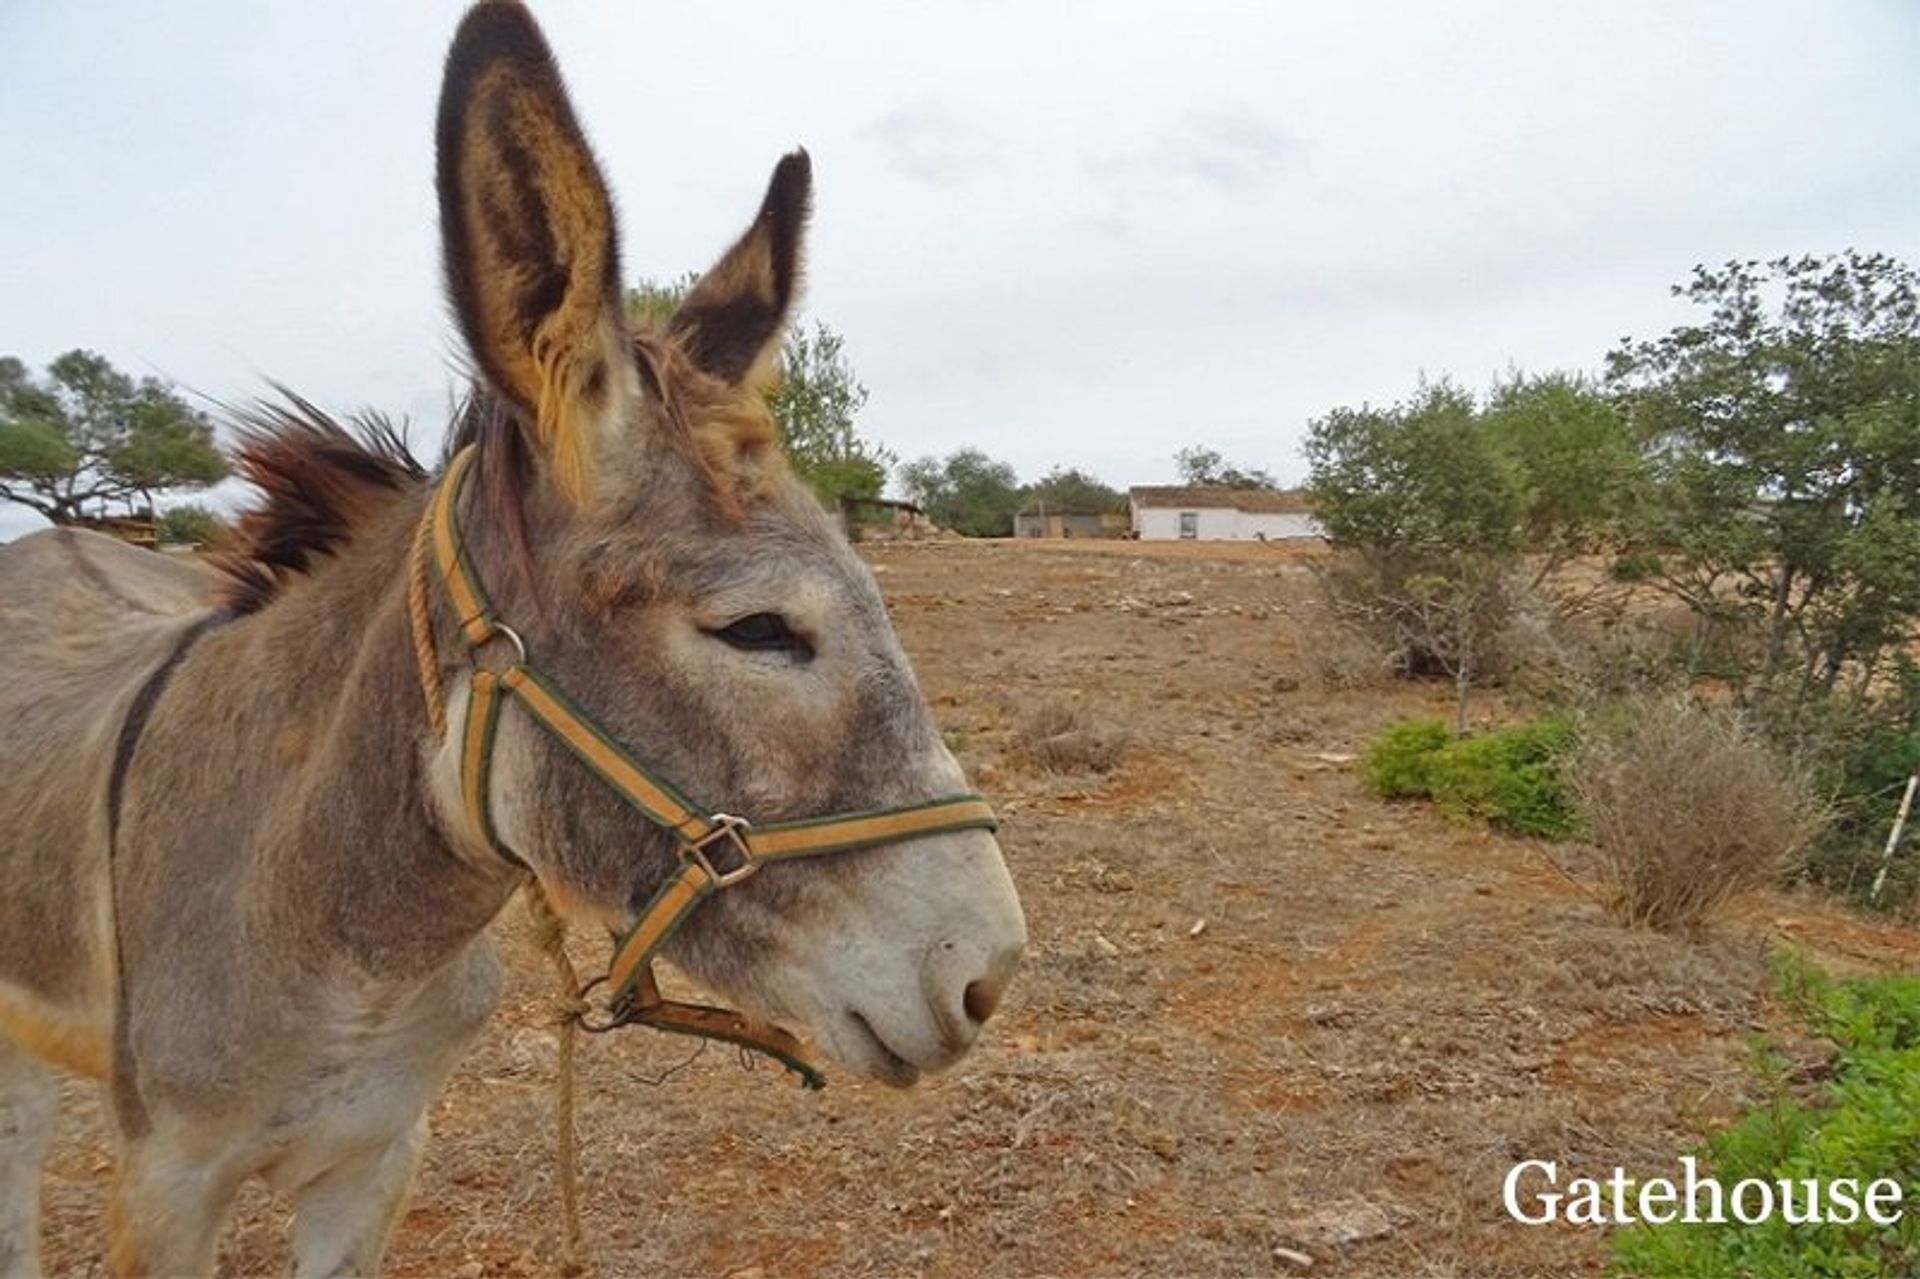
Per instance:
(246,874)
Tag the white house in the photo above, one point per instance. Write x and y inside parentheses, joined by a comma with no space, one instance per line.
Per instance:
(1168,513)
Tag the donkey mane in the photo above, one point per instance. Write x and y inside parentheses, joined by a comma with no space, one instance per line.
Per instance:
(318,480)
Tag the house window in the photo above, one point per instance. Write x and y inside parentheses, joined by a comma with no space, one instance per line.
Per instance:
(1190,524)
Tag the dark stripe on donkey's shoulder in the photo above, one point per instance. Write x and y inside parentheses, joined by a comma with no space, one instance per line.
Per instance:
(128,1107)
(139,711)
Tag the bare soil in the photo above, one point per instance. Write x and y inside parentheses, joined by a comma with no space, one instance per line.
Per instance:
(1264,1016)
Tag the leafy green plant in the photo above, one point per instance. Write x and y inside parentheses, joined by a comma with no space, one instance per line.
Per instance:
(1634,566)
(1510,777)
(816,401)
(1399,764)
(191,524)
(969,492)
(1863,1125)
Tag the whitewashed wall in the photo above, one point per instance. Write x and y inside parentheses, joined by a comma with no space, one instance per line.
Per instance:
(1222,524)
(1277,527)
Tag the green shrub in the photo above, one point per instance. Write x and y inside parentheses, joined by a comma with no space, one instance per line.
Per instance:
(1864,1125)
(190,524)
(1510,777)
(1399,764)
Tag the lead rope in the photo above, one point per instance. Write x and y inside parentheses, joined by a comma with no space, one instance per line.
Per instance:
(549,930)
(423,654)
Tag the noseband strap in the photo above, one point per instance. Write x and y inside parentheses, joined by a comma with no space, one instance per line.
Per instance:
(716,850)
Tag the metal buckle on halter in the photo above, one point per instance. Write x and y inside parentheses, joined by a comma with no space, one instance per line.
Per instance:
(732,830)
(498,631)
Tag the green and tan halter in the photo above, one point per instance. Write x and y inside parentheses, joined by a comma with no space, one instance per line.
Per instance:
(716,850)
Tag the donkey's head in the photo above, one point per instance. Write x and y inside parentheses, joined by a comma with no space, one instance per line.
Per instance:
(635,520)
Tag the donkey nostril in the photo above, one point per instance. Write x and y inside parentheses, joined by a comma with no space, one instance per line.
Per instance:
(980,999)
(961,1006)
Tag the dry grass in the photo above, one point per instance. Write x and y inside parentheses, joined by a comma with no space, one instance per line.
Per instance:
(1063,737)
(1383,1011)
(1688,808)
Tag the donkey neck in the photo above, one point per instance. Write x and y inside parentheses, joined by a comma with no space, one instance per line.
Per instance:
(354,854)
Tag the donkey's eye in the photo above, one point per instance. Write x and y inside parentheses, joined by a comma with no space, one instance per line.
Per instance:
(764,633)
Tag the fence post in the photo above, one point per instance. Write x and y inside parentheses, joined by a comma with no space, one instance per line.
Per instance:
(1893,837)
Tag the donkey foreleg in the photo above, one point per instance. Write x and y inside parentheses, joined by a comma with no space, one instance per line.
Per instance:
(167,1205)
(29,1098)
(342,1218)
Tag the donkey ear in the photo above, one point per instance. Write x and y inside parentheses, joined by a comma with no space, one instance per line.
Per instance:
(532,255)
(734,317)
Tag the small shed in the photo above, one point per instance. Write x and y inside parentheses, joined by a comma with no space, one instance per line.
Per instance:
(878,519)
(1069,524)
(1209,514)
(135,530)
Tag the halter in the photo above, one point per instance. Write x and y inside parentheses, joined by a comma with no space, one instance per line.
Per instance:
(716,850)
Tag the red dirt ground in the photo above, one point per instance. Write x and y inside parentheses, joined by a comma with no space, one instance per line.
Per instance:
(1263,1013)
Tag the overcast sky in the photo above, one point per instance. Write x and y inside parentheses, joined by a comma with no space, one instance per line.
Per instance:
(1068,234)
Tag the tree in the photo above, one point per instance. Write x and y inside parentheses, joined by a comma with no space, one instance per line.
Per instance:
(969,492)
(1441,502)
(1783,432)
(651,304)
(815,399)
(1782,428)
(1429,511)
(815,403)
(1574,458)
(88,436)
(1547,468)
(1205,468)
(1424,477)
(1070,492)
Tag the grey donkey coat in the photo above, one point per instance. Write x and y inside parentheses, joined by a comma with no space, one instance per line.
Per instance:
(236,881)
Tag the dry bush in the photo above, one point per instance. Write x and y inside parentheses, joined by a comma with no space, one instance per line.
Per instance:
(1347,658)
(1564,634)
(1596,654)
(1688,807)
(1428,615)
(1061,737)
